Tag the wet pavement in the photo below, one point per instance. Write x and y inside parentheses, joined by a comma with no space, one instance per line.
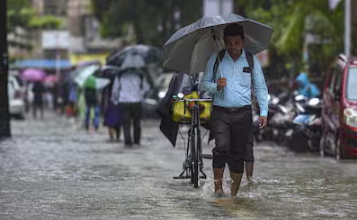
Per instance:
(52,169)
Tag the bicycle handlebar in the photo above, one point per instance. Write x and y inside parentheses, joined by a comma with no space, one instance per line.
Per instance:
(193,100)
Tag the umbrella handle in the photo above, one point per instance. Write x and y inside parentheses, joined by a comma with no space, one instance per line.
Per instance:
(215,42)
(219,60)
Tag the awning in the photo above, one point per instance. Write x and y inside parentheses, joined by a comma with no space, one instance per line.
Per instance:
(45,64)
(77,59)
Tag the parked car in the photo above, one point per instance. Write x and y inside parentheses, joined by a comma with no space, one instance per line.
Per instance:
(339,113)
(16,98)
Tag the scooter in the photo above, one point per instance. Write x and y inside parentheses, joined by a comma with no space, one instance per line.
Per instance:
(278,114)
(305,129)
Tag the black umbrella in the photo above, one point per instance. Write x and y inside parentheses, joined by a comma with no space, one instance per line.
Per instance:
(136,56)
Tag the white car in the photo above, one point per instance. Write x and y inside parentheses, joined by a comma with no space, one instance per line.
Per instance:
(16,98)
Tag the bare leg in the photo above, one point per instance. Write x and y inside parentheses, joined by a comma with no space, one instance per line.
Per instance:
(111,134)
(249,170)
(218,180)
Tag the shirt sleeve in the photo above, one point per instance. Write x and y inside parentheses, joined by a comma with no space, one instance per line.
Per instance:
(260,87)
(207,83)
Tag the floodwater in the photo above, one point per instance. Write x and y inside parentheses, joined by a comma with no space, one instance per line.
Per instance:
(52,169)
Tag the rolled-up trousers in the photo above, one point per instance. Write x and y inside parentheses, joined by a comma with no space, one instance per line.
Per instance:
(231,128)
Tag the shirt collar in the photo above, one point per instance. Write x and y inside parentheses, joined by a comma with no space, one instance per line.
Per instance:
(241,56)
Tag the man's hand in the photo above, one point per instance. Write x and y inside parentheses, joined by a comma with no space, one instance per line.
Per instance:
(221,82)
(263,122)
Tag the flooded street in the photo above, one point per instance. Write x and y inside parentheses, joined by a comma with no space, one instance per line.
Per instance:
(51,169)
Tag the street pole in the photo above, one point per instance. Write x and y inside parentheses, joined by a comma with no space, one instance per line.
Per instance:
(348,28)
(4,99)
(58,56)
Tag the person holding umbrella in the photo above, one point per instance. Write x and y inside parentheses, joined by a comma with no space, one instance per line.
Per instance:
(232,112)
(231,71)
(128,93)
(91,96)
(111,113)
(38,90)
(90,85)
(92,102)
(131,85)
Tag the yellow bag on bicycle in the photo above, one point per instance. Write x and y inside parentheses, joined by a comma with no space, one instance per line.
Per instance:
(181,111)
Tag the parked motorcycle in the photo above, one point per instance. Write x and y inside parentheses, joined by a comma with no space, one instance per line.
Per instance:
(279,113)
(305,129)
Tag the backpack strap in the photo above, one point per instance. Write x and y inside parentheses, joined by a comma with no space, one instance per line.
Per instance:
(250,60)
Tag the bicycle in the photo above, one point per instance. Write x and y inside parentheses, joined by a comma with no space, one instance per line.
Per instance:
(193,164)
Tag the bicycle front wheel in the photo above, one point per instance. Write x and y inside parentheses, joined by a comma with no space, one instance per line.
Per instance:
(196,160)
(194,157)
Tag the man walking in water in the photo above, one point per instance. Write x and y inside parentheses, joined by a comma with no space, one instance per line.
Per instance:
(231,120)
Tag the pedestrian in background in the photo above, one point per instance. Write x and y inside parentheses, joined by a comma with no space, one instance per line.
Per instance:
(128,92)
(112,116)
(92,104)
(38,90)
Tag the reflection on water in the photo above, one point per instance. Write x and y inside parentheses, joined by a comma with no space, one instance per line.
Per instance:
(50,169)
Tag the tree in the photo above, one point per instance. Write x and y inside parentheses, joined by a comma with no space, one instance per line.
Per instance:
(20,15)
(292,20)
(271,13)
(153,21)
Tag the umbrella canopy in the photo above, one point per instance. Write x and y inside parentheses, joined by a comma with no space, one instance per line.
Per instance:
(136,56)
(81,76)
(95,83)
(33,75)
(51,79)
(189,49)
(109,72)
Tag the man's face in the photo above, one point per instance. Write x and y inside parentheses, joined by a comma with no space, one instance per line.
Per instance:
(234,45)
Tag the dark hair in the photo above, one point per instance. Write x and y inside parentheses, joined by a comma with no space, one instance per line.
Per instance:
(234,30)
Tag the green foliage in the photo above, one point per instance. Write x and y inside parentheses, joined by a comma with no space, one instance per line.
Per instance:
(45,22)
(21,15)
(145,17)
(292,20)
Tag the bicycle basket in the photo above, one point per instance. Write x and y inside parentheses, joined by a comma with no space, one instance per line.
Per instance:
(181,111)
